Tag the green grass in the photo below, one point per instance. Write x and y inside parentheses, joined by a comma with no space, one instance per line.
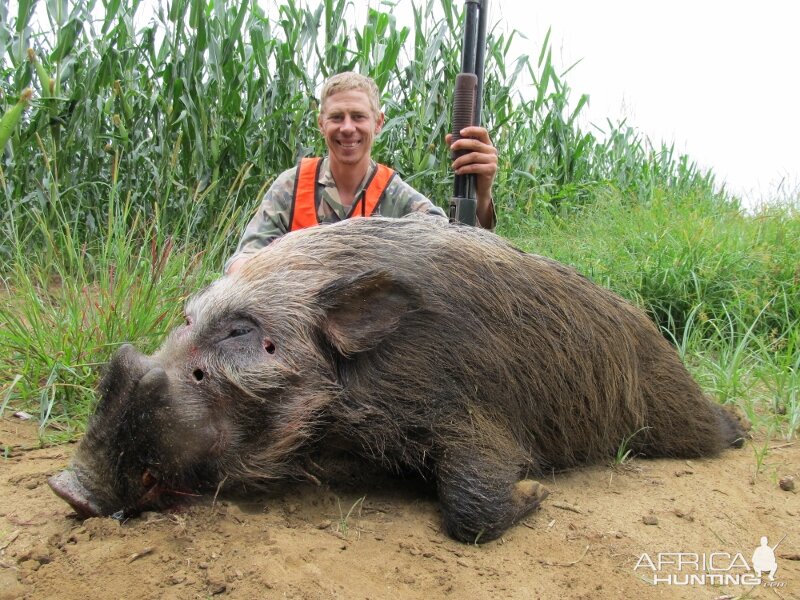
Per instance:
(722,285)
(143,152)
(343,524)
(624,452)
(63,315)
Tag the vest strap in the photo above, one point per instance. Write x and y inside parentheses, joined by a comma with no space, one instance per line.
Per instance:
(304,201)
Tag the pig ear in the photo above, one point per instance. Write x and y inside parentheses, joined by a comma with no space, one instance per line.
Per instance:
(361,311)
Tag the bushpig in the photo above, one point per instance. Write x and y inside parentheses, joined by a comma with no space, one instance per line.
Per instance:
(411,344)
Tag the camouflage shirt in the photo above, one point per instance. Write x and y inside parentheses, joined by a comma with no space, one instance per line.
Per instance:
(272,219)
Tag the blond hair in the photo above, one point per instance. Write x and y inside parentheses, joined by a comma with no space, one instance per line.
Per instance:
(344,82)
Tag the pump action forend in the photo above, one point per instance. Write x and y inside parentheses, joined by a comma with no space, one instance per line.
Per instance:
(467,98)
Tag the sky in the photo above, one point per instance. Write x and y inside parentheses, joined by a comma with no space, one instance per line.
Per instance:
(720,80)
(717,79)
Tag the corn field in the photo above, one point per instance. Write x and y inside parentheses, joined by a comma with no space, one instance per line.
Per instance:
(191,115)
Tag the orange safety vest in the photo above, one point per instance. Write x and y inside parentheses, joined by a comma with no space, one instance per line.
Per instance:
(304,201)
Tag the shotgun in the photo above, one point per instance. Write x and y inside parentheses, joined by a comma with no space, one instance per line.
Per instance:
(467,98)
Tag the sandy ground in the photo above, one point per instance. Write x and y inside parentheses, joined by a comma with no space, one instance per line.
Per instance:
(597,525)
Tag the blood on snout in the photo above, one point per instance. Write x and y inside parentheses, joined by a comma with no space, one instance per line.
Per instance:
(148,479)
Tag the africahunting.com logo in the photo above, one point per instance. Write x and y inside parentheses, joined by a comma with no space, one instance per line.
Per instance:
(714,568)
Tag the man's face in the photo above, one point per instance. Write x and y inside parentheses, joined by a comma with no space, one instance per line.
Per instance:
(349,126)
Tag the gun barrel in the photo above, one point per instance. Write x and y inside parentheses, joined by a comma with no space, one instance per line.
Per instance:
(779,542)
(467,100)
(471,28)
(480,54)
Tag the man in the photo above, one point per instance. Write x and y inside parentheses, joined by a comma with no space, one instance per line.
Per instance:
(348,182)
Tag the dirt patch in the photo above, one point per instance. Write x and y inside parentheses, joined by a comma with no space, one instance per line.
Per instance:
(314,542)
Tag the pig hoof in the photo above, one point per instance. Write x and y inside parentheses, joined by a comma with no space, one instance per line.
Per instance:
(528,494)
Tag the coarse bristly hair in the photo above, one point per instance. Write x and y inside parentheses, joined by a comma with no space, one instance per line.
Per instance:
(418,345)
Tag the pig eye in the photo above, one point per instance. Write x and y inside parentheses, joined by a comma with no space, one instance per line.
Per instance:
(188,320)
(239,331)
(269,346)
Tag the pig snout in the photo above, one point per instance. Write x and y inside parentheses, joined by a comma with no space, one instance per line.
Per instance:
(67,487)
(134,388)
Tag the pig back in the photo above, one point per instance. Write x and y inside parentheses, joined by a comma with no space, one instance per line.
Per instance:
(495,340)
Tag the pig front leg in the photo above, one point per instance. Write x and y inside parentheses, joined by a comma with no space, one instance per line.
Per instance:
(482,492)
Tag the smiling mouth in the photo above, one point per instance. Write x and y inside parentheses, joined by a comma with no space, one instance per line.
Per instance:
(348,145)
